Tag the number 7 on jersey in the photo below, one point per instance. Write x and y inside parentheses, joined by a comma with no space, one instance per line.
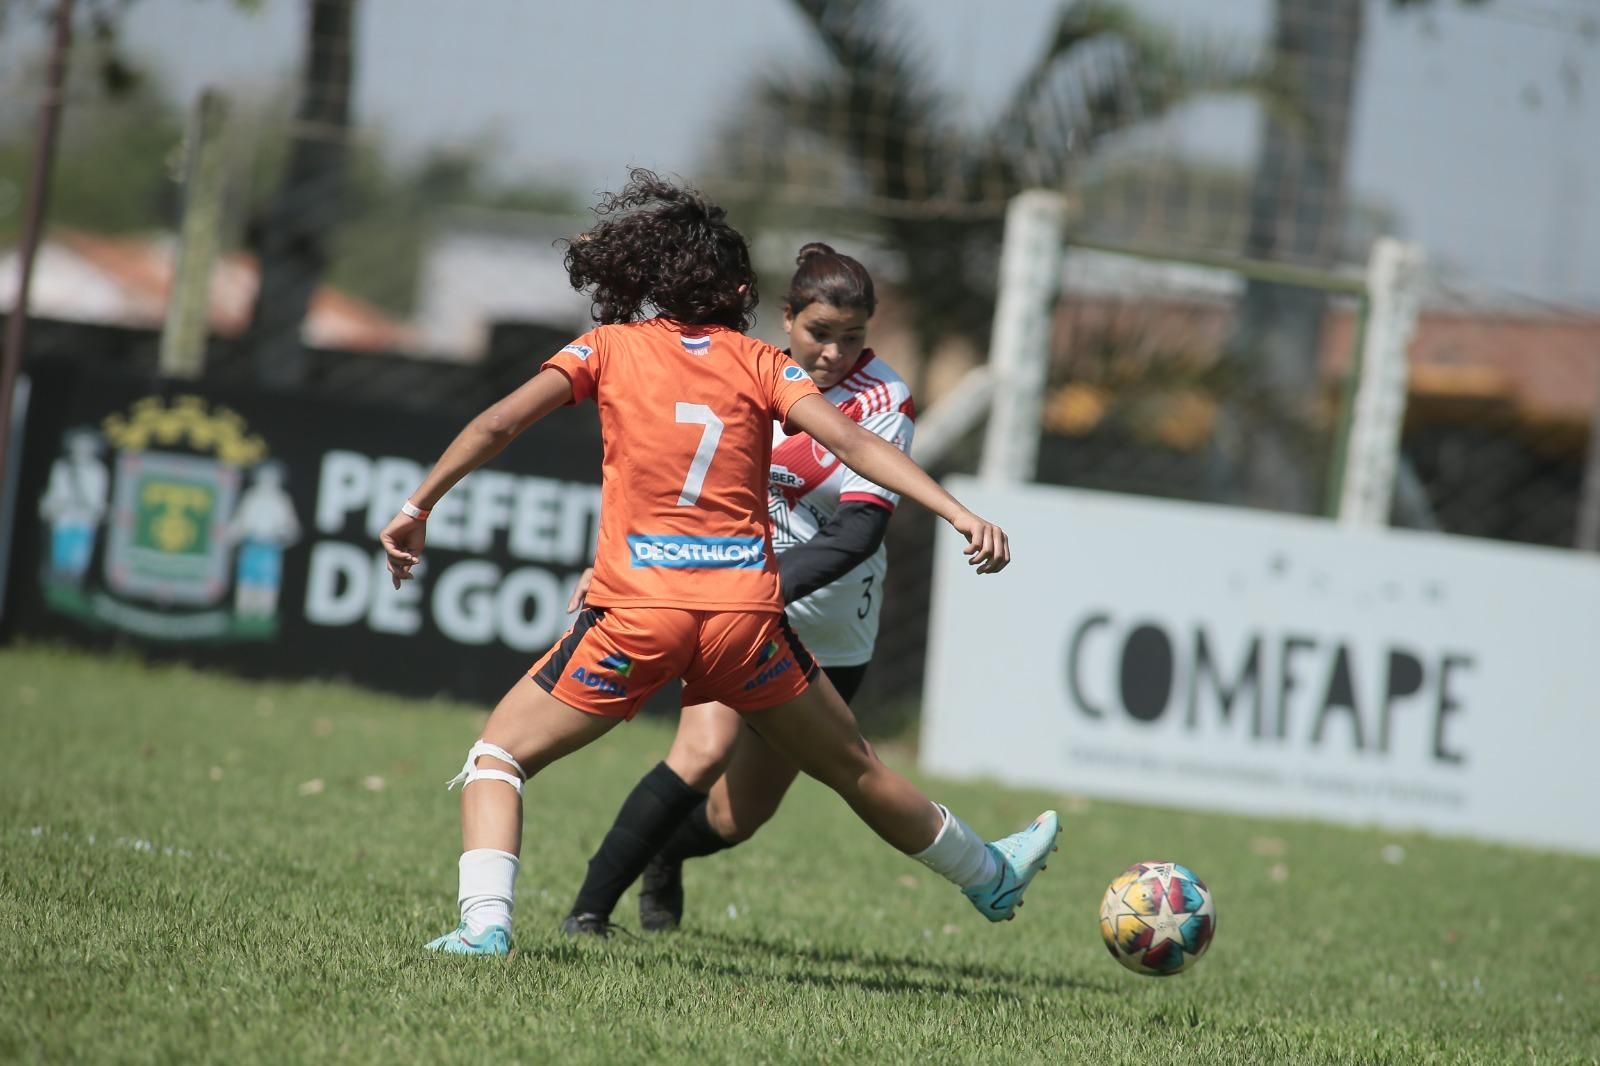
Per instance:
(699,414)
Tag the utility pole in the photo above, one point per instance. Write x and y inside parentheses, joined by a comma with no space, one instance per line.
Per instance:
(44,150)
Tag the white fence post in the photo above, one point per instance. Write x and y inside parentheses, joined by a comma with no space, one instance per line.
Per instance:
(1394,287)
(1019,346)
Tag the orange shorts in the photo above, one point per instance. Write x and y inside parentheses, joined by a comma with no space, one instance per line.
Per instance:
(613,658)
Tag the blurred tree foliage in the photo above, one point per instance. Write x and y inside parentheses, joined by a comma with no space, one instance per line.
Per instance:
(119,163)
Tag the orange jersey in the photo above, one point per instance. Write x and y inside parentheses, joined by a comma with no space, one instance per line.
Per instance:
(686,415)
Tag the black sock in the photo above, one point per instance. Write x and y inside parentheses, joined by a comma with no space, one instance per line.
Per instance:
(647,819)
(694,838)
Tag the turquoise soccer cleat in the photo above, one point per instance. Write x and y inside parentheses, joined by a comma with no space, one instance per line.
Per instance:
(1020,856)
(495,940)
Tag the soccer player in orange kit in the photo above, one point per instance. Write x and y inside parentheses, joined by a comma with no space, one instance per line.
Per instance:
(685,582)
(719,783)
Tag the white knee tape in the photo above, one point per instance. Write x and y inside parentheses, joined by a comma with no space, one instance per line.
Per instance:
(470,771)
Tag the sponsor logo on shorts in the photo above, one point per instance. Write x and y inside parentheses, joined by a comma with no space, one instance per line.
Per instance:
(695,345)
(793,373)
(777,669)
(599,682)
(618,663)
(768,652)
(582,351)
(697,553)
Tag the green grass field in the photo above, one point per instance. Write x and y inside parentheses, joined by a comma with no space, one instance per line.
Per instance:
(196,868)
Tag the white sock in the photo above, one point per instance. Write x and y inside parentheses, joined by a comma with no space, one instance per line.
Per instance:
(488,882)
(958,854)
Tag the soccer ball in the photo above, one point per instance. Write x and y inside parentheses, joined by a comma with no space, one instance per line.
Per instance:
(1157,918)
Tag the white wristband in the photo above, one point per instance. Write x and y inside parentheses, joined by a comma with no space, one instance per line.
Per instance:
(411,510)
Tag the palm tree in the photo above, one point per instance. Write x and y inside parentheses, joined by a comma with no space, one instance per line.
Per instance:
(875,131)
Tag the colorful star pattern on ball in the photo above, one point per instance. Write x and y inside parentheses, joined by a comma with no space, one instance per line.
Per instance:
(1157,918)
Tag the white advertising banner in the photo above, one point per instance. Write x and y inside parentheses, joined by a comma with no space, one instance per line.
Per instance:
(1207,657)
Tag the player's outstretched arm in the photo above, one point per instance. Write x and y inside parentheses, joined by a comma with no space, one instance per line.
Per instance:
(485,437)
(881,462)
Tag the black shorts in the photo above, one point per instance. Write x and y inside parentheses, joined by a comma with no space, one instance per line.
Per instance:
(847,679)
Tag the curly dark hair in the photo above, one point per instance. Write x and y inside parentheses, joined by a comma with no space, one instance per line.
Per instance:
(663,246)
(823,275)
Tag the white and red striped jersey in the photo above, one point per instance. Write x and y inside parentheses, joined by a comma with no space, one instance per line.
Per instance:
(839,623)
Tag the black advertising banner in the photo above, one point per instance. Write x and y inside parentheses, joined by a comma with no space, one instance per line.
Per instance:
(240,530)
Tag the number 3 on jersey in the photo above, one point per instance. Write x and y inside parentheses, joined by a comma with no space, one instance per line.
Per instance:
(699,414)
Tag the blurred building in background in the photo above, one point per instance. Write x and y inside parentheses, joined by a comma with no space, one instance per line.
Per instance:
(481,267)
(126,281)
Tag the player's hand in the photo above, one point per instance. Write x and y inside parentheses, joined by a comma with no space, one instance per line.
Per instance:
(987,547)
(580,590)
(402,541)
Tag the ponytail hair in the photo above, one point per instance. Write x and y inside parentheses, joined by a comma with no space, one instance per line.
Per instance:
(823,275)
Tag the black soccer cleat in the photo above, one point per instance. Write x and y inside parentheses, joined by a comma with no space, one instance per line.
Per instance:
(596,925)
(661,896)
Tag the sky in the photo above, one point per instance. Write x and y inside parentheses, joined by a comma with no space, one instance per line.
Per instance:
(1479,127)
